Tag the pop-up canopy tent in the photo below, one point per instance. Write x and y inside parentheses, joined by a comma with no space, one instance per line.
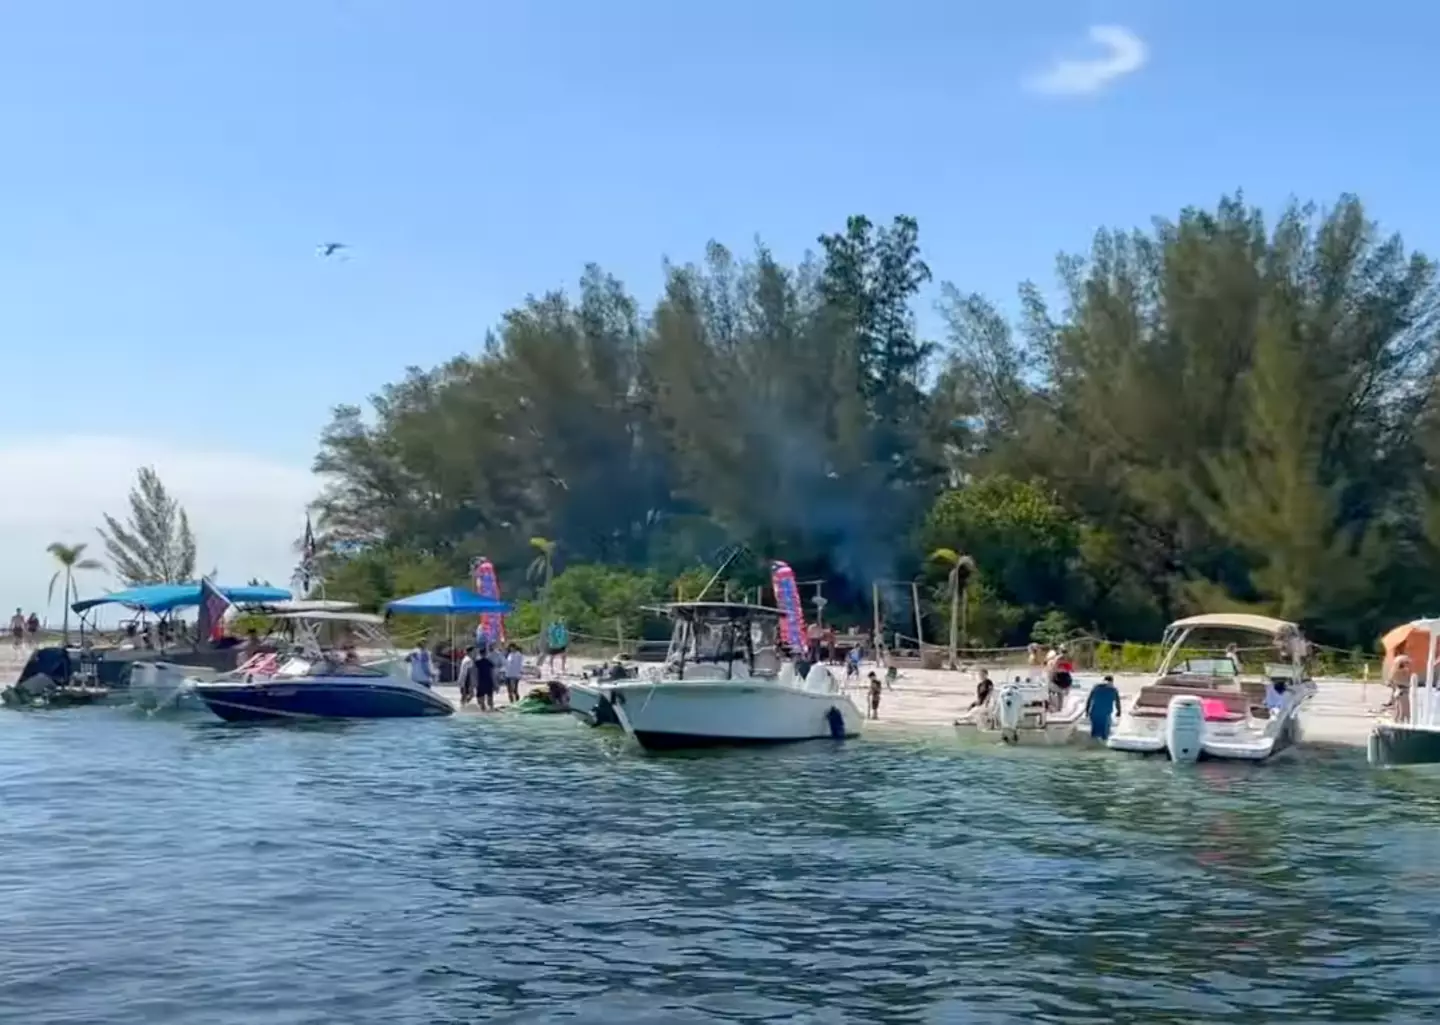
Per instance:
(445,601)
(1412,639)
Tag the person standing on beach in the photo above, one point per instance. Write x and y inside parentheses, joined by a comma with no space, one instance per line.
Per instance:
(17,630)
(514,669)
(32,630)
(557,643)
(875,687)
(1102,706)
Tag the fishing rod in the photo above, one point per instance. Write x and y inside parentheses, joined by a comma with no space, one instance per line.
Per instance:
(735,552)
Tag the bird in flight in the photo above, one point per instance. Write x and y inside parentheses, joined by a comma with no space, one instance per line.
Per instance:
(330,248)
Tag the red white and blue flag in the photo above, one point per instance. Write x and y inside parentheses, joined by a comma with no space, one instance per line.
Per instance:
(213,606)
(787,599)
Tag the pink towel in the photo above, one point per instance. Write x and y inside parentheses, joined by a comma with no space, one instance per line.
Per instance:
(1214,709)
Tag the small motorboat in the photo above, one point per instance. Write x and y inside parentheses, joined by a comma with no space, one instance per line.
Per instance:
(315,683)
(320,689)
(1204,707)
(1024,711)
(724,683)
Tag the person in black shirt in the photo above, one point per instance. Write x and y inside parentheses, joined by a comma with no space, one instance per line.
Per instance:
(485,680)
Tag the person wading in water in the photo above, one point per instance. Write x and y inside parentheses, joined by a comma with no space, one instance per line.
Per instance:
(1102,706)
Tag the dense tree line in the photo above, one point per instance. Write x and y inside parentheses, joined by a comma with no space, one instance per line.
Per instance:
(1219,412)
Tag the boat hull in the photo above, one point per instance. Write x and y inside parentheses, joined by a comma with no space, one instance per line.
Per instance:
(317,699)
(1393,745)
(1241,742)
(592,705)
(666,716)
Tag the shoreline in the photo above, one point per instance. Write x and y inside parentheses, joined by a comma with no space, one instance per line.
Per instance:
(925,702)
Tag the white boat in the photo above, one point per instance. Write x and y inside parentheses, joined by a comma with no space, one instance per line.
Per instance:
(1410,735)
(1206,707)
(723,683)
(1021,711)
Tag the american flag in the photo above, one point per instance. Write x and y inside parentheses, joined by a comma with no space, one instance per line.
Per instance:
(263,664)
(307,556)
(213,606)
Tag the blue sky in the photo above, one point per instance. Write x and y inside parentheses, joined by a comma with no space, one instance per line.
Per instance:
(170,167)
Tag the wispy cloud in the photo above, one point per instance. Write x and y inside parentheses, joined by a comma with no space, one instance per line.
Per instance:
(1123,54)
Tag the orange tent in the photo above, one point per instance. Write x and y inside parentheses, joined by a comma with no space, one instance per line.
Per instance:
(1408,639)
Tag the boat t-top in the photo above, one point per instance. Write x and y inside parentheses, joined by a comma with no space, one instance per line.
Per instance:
(725,681)
(1203,705)
(318,680)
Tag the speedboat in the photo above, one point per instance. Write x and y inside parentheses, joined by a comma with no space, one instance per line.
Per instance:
(1205,707)
(723,682)
(313,683)
(1021,711)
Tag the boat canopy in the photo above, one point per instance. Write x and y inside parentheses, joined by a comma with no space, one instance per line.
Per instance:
(1235,621)
(167,597)
(446,601)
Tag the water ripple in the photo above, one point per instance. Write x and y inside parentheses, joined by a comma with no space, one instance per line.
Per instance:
(525,870)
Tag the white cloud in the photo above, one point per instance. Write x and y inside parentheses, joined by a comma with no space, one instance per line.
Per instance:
(1124,53)
(246,511)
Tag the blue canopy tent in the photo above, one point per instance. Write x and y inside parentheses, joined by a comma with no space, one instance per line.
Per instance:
(448,602)
(445,601)
(168,597)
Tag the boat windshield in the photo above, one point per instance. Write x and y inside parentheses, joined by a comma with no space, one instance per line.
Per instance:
(726,641)
(1207,667)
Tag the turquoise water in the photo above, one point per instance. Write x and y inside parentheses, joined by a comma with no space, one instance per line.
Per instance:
(525,869)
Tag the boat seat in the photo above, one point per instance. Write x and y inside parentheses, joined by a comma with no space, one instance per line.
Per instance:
(1155,699)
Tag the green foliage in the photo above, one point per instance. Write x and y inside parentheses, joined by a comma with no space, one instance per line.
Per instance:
(1051,629)
(71,559)
(601,601)
(1222,412)
(154,545)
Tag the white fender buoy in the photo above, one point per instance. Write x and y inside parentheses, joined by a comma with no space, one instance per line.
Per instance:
(1184,728)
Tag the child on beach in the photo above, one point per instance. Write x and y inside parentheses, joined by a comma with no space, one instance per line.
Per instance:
(874,695)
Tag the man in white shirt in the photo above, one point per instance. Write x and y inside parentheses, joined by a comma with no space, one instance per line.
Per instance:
(419,660)
(467,675)
(514,669)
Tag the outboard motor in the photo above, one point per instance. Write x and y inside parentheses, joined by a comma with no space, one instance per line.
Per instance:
(1184,728)
(55,663)
(1009,708)
(820,679)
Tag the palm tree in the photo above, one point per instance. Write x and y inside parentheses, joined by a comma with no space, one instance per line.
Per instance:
(961,567)
(542,568)
(71,559)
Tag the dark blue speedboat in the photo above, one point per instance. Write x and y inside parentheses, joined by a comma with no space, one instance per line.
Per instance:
(320,689)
